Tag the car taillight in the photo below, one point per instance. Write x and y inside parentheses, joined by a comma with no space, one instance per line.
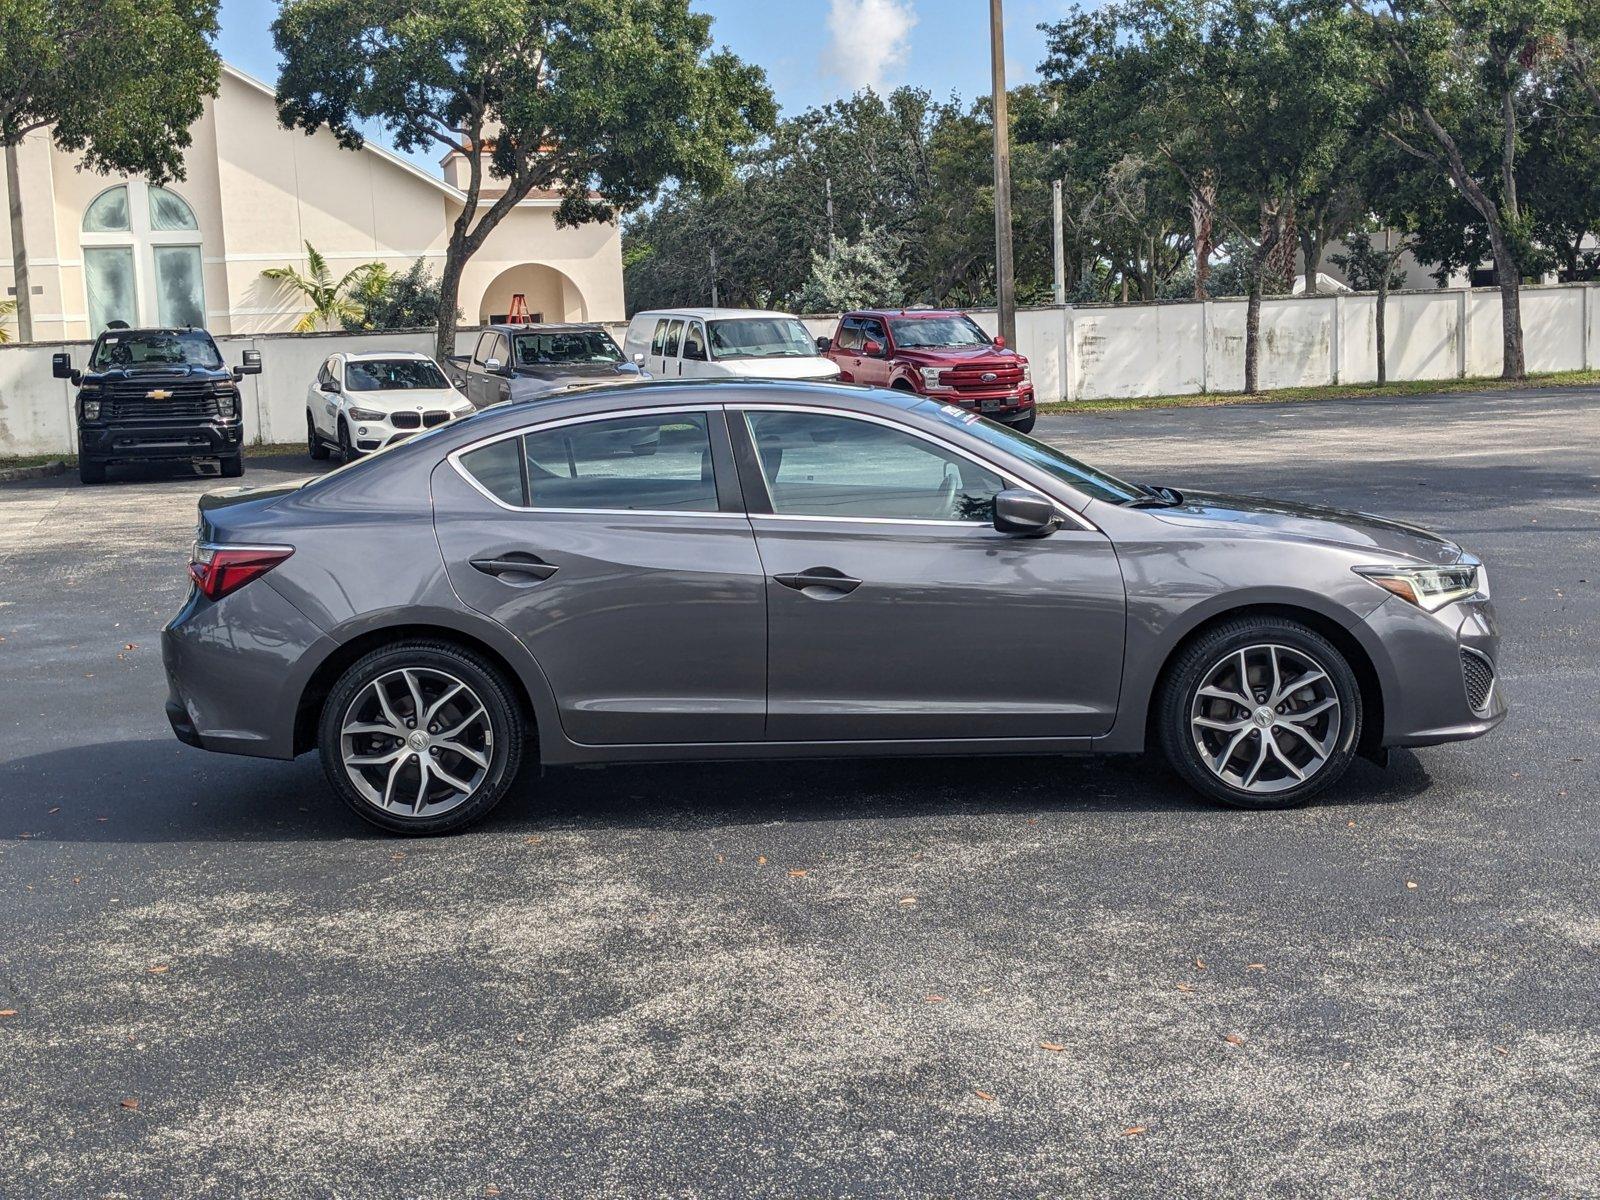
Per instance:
(218,570)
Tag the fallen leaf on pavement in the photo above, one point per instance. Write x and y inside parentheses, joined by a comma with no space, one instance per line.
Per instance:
(1186,987)
(130,1102)
(761,860)
(158,968)
(8,1012)
(1053,1047)
(983,1095)
(1497,1049)
(933,999)
(1233,1039)
(535,840)
(1255,966)
(1134,1130)
(797,873)
(907,901)
(489,1189)
(55,810)
(1411,885)
(1199,964)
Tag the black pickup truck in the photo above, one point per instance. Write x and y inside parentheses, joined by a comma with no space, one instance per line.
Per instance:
(154,395)
(524,362)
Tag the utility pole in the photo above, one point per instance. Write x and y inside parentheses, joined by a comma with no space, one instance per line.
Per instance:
(714,303)
(1058,251)
(1005,283)
(19,249)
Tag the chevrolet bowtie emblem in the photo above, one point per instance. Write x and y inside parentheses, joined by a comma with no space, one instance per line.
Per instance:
(158,394)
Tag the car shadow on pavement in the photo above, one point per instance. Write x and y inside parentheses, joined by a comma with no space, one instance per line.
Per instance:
(155,790)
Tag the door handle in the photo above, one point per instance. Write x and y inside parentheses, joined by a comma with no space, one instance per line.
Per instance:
(819,577)
(530,565)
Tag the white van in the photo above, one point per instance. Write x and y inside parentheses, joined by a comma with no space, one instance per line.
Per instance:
(708,343)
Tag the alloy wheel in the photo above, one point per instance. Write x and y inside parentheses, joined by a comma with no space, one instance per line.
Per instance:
(416,742)
(1266,718)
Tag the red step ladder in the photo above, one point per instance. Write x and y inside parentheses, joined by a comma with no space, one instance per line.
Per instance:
(519,310)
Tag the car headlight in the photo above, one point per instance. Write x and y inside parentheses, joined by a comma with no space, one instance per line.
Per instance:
(366,414)
(1027,373)
(226,404)
(91,410)
(1430,588)
(930,377)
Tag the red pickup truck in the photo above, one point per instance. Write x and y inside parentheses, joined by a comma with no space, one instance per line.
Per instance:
(936,353)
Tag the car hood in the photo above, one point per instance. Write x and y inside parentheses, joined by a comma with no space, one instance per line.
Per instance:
(954,356)
(407,398)
(796,366)
(1388,540)
(157,374)
(557,374)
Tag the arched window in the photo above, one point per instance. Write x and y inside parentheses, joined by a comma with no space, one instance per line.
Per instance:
(141,258)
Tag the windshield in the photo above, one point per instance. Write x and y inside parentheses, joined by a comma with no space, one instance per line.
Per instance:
(581,346)
(760,337)
(1038,454)
(392,374)
(157,347)
(922,332)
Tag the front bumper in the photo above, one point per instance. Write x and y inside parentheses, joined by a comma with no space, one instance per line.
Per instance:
(999,405)
(160,442)
(1422,661)
(370,436)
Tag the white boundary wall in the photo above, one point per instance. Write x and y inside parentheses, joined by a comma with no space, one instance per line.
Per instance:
(1078,353)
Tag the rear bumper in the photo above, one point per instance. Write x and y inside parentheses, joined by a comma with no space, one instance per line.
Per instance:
(160,442)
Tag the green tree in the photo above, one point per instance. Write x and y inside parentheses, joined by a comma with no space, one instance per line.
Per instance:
(116,82)
(331,299)
(1465,80)
(8,309)
(384,299)
(865,273)
(1372,268)
(599,100)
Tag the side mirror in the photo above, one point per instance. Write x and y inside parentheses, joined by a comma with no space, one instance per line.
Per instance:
(330,385)
(824,344)
(492,365)
(1025,514)
(999,342)
(250,362)
(61,367)
(638,358)
(873,349)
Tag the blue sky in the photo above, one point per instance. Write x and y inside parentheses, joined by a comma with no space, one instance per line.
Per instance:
(813,50)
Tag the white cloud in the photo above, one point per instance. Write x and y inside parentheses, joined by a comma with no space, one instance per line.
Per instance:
(868,40)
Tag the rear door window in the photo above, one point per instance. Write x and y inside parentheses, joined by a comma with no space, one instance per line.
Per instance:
(660,338)
(674,336)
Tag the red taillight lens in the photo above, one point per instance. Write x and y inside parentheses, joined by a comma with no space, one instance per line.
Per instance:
(218,570)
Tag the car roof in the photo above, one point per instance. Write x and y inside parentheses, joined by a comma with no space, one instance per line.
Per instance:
(707,314)
(175,329)
(369,355)
(905,312)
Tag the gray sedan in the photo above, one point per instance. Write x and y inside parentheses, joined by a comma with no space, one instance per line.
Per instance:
(802,570)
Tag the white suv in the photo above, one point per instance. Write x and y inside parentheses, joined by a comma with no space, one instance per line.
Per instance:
(363,402)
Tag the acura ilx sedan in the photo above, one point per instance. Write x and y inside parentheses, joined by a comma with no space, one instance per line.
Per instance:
(802,570)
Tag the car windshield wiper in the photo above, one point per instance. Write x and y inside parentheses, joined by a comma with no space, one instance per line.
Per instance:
(1154,497)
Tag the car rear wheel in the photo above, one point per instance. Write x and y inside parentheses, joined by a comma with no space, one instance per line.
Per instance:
(421,737)
(90,471)
(233,466)
(315,446)
(1260,713)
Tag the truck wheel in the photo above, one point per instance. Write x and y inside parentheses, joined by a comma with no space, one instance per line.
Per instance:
(314,443)
(1025,425)
(233,466)
(90,471)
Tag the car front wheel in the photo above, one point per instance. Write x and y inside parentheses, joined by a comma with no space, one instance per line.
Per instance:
(1023,424)
(1260,713)
(315,446)
(421,737)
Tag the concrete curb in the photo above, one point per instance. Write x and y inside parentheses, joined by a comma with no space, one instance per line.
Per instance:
(42,471)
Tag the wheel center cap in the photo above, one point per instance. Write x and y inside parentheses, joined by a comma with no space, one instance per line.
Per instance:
(1265,718)
(418,740)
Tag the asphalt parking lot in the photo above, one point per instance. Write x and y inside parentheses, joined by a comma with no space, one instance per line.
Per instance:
(949,978)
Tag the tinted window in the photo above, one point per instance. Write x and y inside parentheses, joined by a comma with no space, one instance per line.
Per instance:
(392,374)
(694,342)
(850,335)
(567,346)
(498,466)
(1063,466)
(826,466)
(674,331)
(660,338)
(192,347)
(661,461)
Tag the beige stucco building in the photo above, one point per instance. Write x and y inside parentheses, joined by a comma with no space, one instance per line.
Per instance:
(103,247)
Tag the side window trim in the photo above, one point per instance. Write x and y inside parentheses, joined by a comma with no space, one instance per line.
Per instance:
(759,503)
(725,475)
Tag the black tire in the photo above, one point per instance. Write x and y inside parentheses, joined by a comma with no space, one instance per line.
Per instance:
(506,723)
(1177,699)
(347,450)
(90,471)
(233,466)
(1024,424)
(315,446)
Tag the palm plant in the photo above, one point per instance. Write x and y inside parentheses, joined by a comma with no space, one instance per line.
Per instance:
(330,300)
(7,307)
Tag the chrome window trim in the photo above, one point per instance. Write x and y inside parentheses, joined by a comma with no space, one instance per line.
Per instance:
(1011,480)
(455,456)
